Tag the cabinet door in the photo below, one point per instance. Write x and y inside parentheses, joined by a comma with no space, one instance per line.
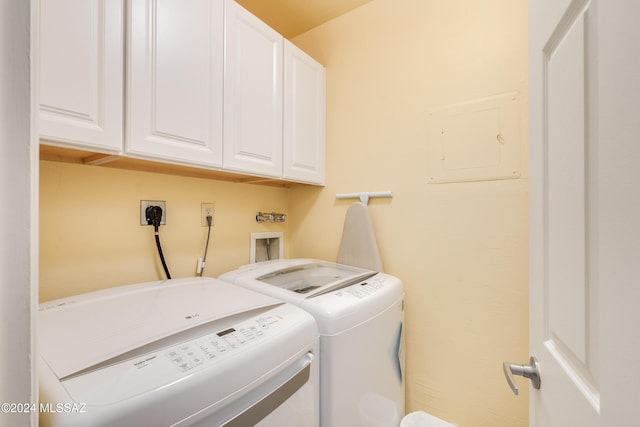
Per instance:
(175,81)
(304,117)
(253,94)
(80,73)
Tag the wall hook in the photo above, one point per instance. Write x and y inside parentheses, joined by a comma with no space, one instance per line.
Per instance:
(271,217)
(364,196)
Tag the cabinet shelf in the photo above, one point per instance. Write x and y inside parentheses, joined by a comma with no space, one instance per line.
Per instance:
(68,155)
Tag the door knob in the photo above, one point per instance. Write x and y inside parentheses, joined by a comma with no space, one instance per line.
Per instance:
(531,371)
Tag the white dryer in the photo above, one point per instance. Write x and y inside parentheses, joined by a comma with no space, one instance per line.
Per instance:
(182,352)
(360,316)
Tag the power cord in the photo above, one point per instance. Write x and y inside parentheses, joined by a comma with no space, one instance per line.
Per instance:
(154,217)
(206,247)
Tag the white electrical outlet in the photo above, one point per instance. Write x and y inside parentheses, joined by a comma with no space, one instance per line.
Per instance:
(206,209)
(144,204)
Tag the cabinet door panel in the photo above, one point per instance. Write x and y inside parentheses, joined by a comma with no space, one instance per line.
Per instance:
(175,81)
(80,73)
(304,117)
(253,94)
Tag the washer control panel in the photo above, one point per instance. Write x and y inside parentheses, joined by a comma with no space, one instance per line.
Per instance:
(364,289)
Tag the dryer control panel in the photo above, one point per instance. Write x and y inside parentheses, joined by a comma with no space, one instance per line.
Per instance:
(189,355)
(126,376)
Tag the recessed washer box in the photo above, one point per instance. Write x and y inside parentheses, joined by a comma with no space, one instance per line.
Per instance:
(266,246)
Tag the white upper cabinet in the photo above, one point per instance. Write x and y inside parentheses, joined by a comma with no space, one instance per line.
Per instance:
(81,82)
(304,117)
(252,94)
(174,78)
(203,83)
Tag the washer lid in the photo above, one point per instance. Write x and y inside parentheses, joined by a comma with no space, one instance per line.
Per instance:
(315,278)
(81,332)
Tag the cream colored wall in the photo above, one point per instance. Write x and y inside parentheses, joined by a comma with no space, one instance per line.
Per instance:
(91,238)
(461,249)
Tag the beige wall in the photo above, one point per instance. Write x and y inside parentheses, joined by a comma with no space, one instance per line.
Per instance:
(461,249)
(91,238)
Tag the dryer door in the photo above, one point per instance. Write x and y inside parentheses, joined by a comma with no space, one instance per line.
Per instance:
(286,399)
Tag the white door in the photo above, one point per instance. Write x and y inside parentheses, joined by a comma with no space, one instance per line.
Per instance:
(252,94)
(304,116)
(585,212)
(175,55)
(81,56)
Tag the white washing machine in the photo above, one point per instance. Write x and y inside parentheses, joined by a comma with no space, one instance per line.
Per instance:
(182,352)
(360,316)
